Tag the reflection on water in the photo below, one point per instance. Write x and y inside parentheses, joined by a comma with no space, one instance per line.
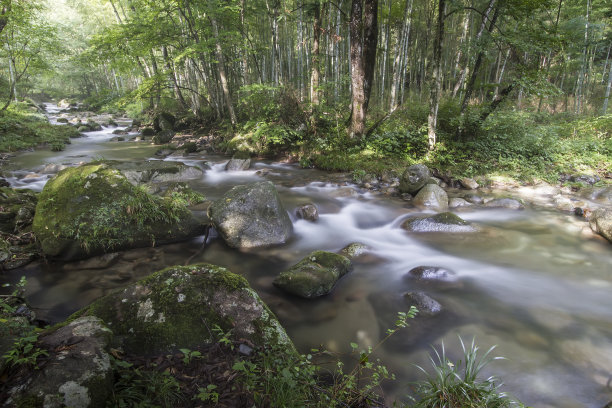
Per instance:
(536,283)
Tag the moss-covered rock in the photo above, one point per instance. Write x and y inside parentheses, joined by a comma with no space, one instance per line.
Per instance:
(16,209)
(179,307)
(251,216)
(163,137)
(164,121)
(315,275)
(414,178)
(77,372)
(443,222)
(93,209)
(148,131)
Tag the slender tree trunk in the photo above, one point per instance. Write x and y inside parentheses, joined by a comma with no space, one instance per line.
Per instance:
(13,74)
(607,97)
(399,52)
(172,76)
(583,68)
(221,70)
(314,75)
(357,71)
(370,43)
(436,80)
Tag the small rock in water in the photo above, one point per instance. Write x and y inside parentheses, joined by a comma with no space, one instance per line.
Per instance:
(307,212)
(432,196)
(429,273)
(469,183)
(456,202)
(473,198)
(238,164)
(354,250)
(425,304)
(509,203)
(414,178)
(443,222)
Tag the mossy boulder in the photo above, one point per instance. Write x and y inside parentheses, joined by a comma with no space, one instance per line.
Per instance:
(164,121)
(442,222)
(315,275)
(93,209)
(16,209)
(433,197)
(163,137)
(179,307)
(148,131)
(414,178)
(601,222)
(78,371)
(250,216)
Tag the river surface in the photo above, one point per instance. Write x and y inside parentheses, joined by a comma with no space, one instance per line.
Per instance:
(539,288)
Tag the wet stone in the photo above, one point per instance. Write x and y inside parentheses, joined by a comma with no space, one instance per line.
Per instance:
(307,212)
(425,304)
(430,273)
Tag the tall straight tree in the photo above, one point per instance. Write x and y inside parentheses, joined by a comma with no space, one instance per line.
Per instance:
(364,38)
(436,78)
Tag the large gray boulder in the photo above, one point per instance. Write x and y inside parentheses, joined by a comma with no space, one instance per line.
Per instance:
(601,222)
(431,197)
(179,306)
(77,372)
(443,222)
(315,275)
(251,216)
(414,178)
(93,209)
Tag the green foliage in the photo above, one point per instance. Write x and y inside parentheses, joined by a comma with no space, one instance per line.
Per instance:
(144,388)
(25,352)
(189,355)
(456,385)
(21,128)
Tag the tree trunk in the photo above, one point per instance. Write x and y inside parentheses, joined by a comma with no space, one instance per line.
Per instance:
(314,75)
(607,97)
(172,76)
(221,70)
(370,43)
(357,71)
(399,51)
(436,80)
(4,11)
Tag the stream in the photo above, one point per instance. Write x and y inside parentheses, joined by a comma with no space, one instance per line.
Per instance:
(540,290)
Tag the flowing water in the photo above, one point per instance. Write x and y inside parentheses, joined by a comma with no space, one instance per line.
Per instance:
(538,284)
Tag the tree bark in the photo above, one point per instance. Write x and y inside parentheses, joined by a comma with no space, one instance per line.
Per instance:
(221,70)
(436,78)
(314,75)
(370,43)
(357,71)
(172,76)
(4,12)
(399,51)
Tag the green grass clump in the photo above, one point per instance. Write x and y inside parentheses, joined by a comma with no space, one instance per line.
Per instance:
(22,128)
(457,385)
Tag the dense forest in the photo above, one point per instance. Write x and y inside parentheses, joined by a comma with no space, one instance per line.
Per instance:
(208,135)
(504,80)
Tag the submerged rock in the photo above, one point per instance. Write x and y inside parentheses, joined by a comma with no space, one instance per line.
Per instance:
(354,250)
(77,372)
(601,222)
(251,216)
(315,275)
(163,137)
(179,307)
(238,163)
(93,209)
(307,212)
(414,178)
(425,304)
(443,222)
(433,197)
(429,273)
(458,202)
(509,203)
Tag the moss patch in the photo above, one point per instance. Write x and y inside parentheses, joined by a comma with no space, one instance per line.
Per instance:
(94,209)
(179,307)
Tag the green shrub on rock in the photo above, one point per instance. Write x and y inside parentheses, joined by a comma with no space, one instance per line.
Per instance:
(93,209)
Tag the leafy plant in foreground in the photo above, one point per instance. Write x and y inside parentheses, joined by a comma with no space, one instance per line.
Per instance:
(457,385)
